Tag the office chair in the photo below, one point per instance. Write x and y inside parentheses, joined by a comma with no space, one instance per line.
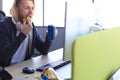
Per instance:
(2,14)
(96,56)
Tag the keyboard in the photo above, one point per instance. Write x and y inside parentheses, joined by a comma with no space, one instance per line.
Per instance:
(54,65)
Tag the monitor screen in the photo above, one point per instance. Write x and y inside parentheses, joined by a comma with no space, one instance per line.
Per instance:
(74,27)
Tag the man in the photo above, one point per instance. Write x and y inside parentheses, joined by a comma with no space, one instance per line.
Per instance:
(18,36)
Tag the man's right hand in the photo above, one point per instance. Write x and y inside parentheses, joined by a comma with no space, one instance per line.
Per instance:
(26,26)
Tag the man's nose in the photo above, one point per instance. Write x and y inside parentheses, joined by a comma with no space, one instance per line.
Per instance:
(30,13)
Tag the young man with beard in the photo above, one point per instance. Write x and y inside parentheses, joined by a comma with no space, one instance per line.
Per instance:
(18,35)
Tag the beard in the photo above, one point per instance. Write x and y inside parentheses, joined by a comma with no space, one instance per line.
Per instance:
(20,18)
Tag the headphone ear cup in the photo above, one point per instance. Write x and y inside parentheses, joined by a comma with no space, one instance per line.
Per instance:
(18,25)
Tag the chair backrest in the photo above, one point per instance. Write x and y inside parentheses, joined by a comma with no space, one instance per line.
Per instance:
(96,56)
(2,14)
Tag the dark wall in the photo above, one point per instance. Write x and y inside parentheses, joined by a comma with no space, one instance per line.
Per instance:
(57,43)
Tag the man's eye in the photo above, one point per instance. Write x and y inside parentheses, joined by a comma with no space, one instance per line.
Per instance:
(26,7)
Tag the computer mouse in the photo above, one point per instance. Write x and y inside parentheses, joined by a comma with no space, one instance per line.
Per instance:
(28,70)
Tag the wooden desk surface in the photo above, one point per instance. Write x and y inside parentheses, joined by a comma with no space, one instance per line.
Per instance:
(16,70)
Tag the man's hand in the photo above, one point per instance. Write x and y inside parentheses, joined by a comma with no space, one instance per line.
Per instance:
(55,32)
(27,26)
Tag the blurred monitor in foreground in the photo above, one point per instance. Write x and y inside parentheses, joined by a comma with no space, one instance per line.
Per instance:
(74,27)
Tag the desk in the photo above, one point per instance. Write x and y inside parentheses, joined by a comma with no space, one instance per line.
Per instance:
(16,70)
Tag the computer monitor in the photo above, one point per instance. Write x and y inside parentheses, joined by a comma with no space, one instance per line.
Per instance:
(71,32)
(74,27)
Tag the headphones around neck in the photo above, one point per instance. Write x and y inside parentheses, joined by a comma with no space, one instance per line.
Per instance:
(18,25)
